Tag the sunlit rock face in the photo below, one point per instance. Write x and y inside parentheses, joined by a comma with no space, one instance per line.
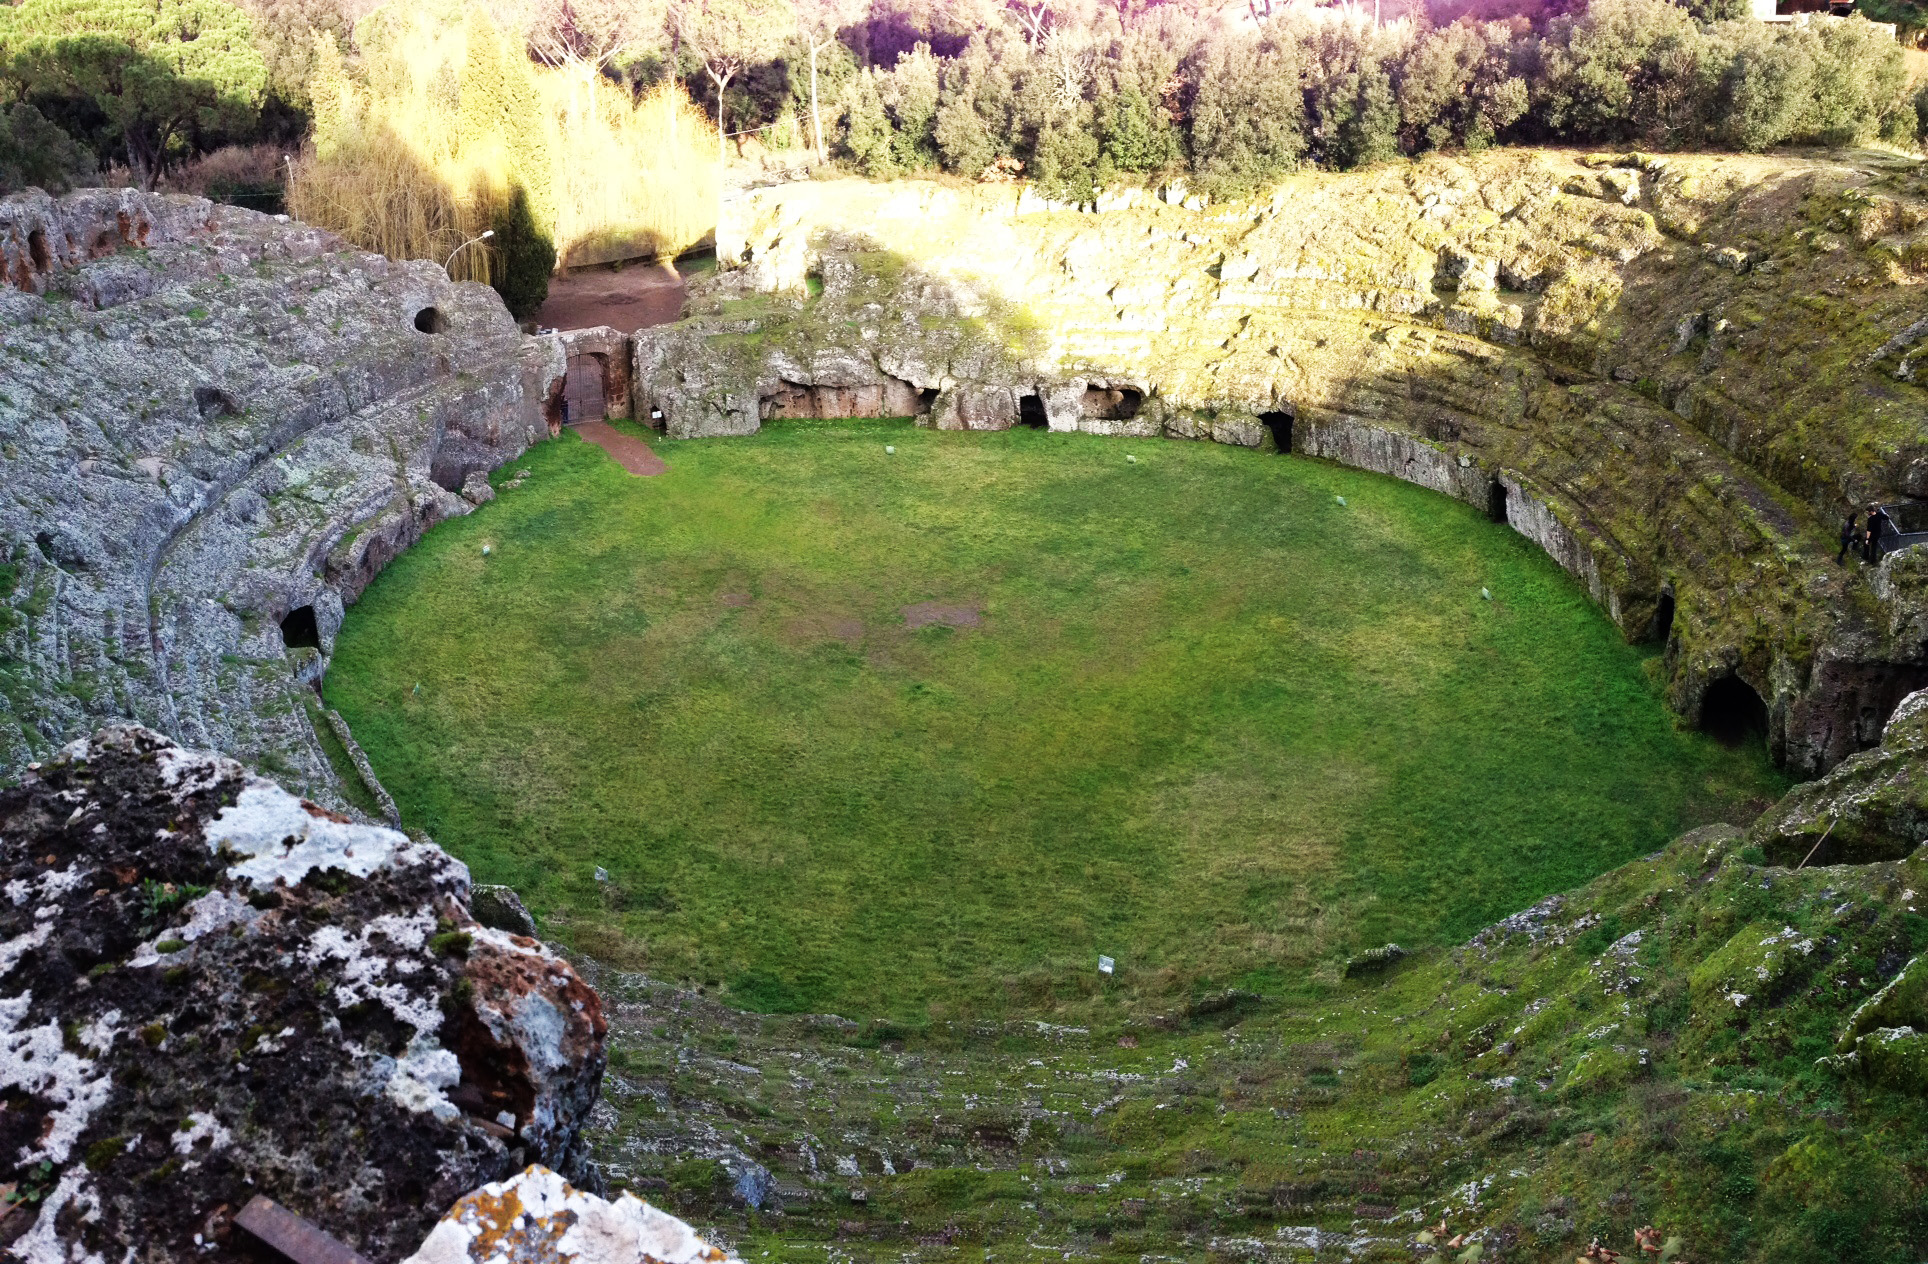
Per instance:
(1674,374)
(211,989)
(216,426)
(539,1218)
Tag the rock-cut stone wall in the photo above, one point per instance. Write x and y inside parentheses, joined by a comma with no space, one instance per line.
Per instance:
(216,427)
(1674,374)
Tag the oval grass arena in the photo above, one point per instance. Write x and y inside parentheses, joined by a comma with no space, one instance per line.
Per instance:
(921,735)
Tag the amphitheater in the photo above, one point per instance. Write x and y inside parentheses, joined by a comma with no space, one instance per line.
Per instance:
(1673,376)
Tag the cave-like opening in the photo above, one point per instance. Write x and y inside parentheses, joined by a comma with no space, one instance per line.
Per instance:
(1732,713)
(299,629)
(1280,424)
(1496,501)
(1663,624)
(1031,412)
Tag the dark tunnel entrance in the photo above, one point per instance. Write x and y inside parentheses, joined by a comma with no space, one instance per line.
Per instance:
(1496,501)
(299,630)
(1663,624)
(1280,424)
(1031,412)
(1732,713)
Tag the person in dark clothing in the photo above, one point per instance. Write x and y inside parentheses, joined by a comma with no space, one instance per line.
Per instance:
(1871,536)
(1850,530)
(1880,527)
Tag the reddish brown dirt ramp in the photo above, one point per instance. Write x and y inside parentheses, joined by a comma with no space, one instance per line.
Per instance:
(630,452)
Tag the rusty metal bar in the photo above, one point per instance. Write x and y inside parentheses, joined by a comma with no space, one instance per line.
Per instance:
(294,1237)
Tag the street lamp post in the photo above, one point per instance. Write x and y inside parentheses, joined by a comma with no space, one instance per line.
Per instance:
(486,234)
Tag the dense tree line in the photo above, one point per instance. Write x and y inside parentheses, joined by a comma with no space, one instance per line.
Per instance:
(1068,93)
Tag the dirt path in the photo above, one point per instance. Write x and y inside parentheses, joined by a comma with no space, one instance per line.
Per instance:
(634,298)
(630,452)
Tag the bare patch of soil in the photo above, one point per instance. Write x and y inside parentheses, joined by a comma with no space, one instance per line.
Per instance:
(630,452)
(636,297)
(929,613)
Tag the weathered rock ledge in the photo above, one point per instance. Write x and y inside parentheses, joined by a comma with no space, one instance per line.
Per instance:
(213,990)
(215,428)
(1673,374)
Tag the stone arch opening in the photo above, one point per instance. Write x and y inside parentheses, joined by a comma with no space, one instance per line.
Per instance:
(299,629)
(583,397)
(1496,501)
(1031,412)
(1732,712)
(431,320)
(1117,403)
(1663,624)
(43,259)
(1279,422)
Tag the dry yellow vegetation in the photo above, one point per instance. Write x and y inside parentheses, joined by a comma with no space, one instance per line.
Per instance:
(426,138)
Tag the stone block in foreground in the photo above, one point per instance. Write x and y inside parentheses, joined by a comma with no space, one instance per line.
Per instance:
(212,990)
(539,1218)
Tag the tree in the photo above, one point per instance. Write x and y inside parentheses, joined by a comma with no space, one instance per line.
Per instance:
(1458,87)
(910,94)
(1248,118)
(524,255)
(35,153)
(1761,82)
(284,35)
(598,32)
(726,36)
(1624,68)
(818,22)
(867,131)
(152,69)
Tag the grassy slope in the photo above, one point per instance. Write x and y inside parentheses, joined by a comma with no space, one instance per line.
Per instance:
(1215,723)
(1536,1091)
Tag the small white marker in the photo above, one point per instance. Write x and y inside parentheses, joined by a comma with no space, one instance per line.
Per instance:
(485,550)
(1340,499)
(1485,594)
(602,874)
(1130,459)
(1106,965)
(889,450)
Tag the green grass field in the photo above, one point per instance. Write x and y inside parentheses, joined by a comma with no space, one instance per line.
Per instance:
(1213,722)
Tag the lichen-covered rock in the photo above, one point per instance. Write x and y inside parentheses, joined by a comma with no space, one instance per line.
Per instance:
(500,908)
(1873,806)
(1901,1002)
(210,989)
(210,420)
(1889,1057)
(539,1218)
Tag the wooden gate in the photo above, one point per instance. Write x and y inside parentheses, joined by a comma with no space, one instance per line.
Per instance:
(582,388)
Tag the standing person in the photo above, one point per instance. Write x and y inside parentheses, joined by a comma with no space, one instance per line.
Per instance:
(1848,533)
(1871,536)
(1880,527)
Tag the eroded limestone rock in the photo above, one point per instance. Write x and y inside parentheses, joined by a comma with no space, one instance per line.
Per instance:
(210,989)
(212,420)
